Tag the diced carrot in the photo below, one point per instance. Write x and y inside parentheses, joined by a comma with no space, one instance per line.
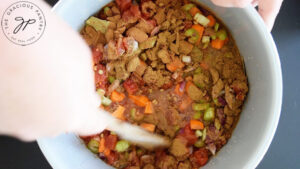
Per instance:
(188,85)
(212,20)
(148,127)
(217,43)
(177,90)
(102,145)
(176,64)
(119,113)
(139,100)
(106,152)
(193,11)
(185,103)
(200,30)
(149,108)
(116,96)
(196,125)
(203,65)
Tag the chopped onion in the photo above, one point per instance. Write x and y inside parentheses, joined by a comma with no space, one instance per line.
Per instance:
(212,148)
(205,39)
(186,59)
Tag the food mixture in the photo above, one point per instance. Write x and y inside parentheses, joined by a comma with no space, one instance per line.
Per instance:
(172,68)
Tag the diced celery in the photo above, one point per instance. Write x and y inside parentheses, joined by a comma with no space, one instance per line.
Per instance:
(111,79)
(204,135)
(217,25)
(98,24)
(101,92)
(199,144)
(200,106)
(205,39)
(190,32)
(187,7)
(105,101)
(213,37)
(201,19)
(222,34)
(209,114)
(197,115)
(132,113)
(198,133)
(186,59)
(122,146)
(93,145)
(205,45)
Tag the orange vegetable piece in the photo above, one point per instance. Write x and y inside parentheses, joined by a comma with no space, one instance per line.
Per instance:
(102,145)
(193,11)
(217,43)
(176,64)
(196,125)
(149,108)
(200,30)
(212,20)
(188,85)
(177,91)
(116,96)
(106,152)
(139,100)
(148,127)
(119,113)
(185,103)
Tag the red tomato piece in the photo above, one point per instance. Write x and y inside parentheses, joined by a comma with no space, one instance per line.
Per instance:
(113,156)
(101,77)
(111,141)
(188,134)
(130,86)
(97,55)
(152,22)
(201,156)
(135,10)
(123,4)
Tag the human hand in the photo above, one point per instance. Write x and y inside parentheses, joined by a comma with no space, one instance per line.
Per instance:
(268,9)
(47,88)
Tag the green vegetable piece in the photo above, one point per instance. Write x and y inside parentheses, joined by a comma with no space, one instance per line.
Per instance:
(187,7)
(204,135)
(93,145)
(201,19)
(200,106)
(205,39)
(199,144)
(101,92)
(205,45)
(190,32)
(105,101)
(198,133)
(209,114)
(217,25)
(111,79)
(122,146)
(98,24)
(197,115)
(213,37)
(222,34)
(198,70)
(132,113)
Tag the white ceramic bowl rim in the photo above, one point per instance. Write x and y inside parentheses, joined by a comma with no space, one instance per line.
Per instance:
(271,128)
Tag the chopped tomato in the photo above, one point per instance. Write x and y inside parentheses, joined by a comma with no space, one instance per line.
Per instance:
(130,86)
(97,55)
(111,141)
(123,4)
(101,77)
(201,156)
(188,134)
(135,10)
(112,157)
